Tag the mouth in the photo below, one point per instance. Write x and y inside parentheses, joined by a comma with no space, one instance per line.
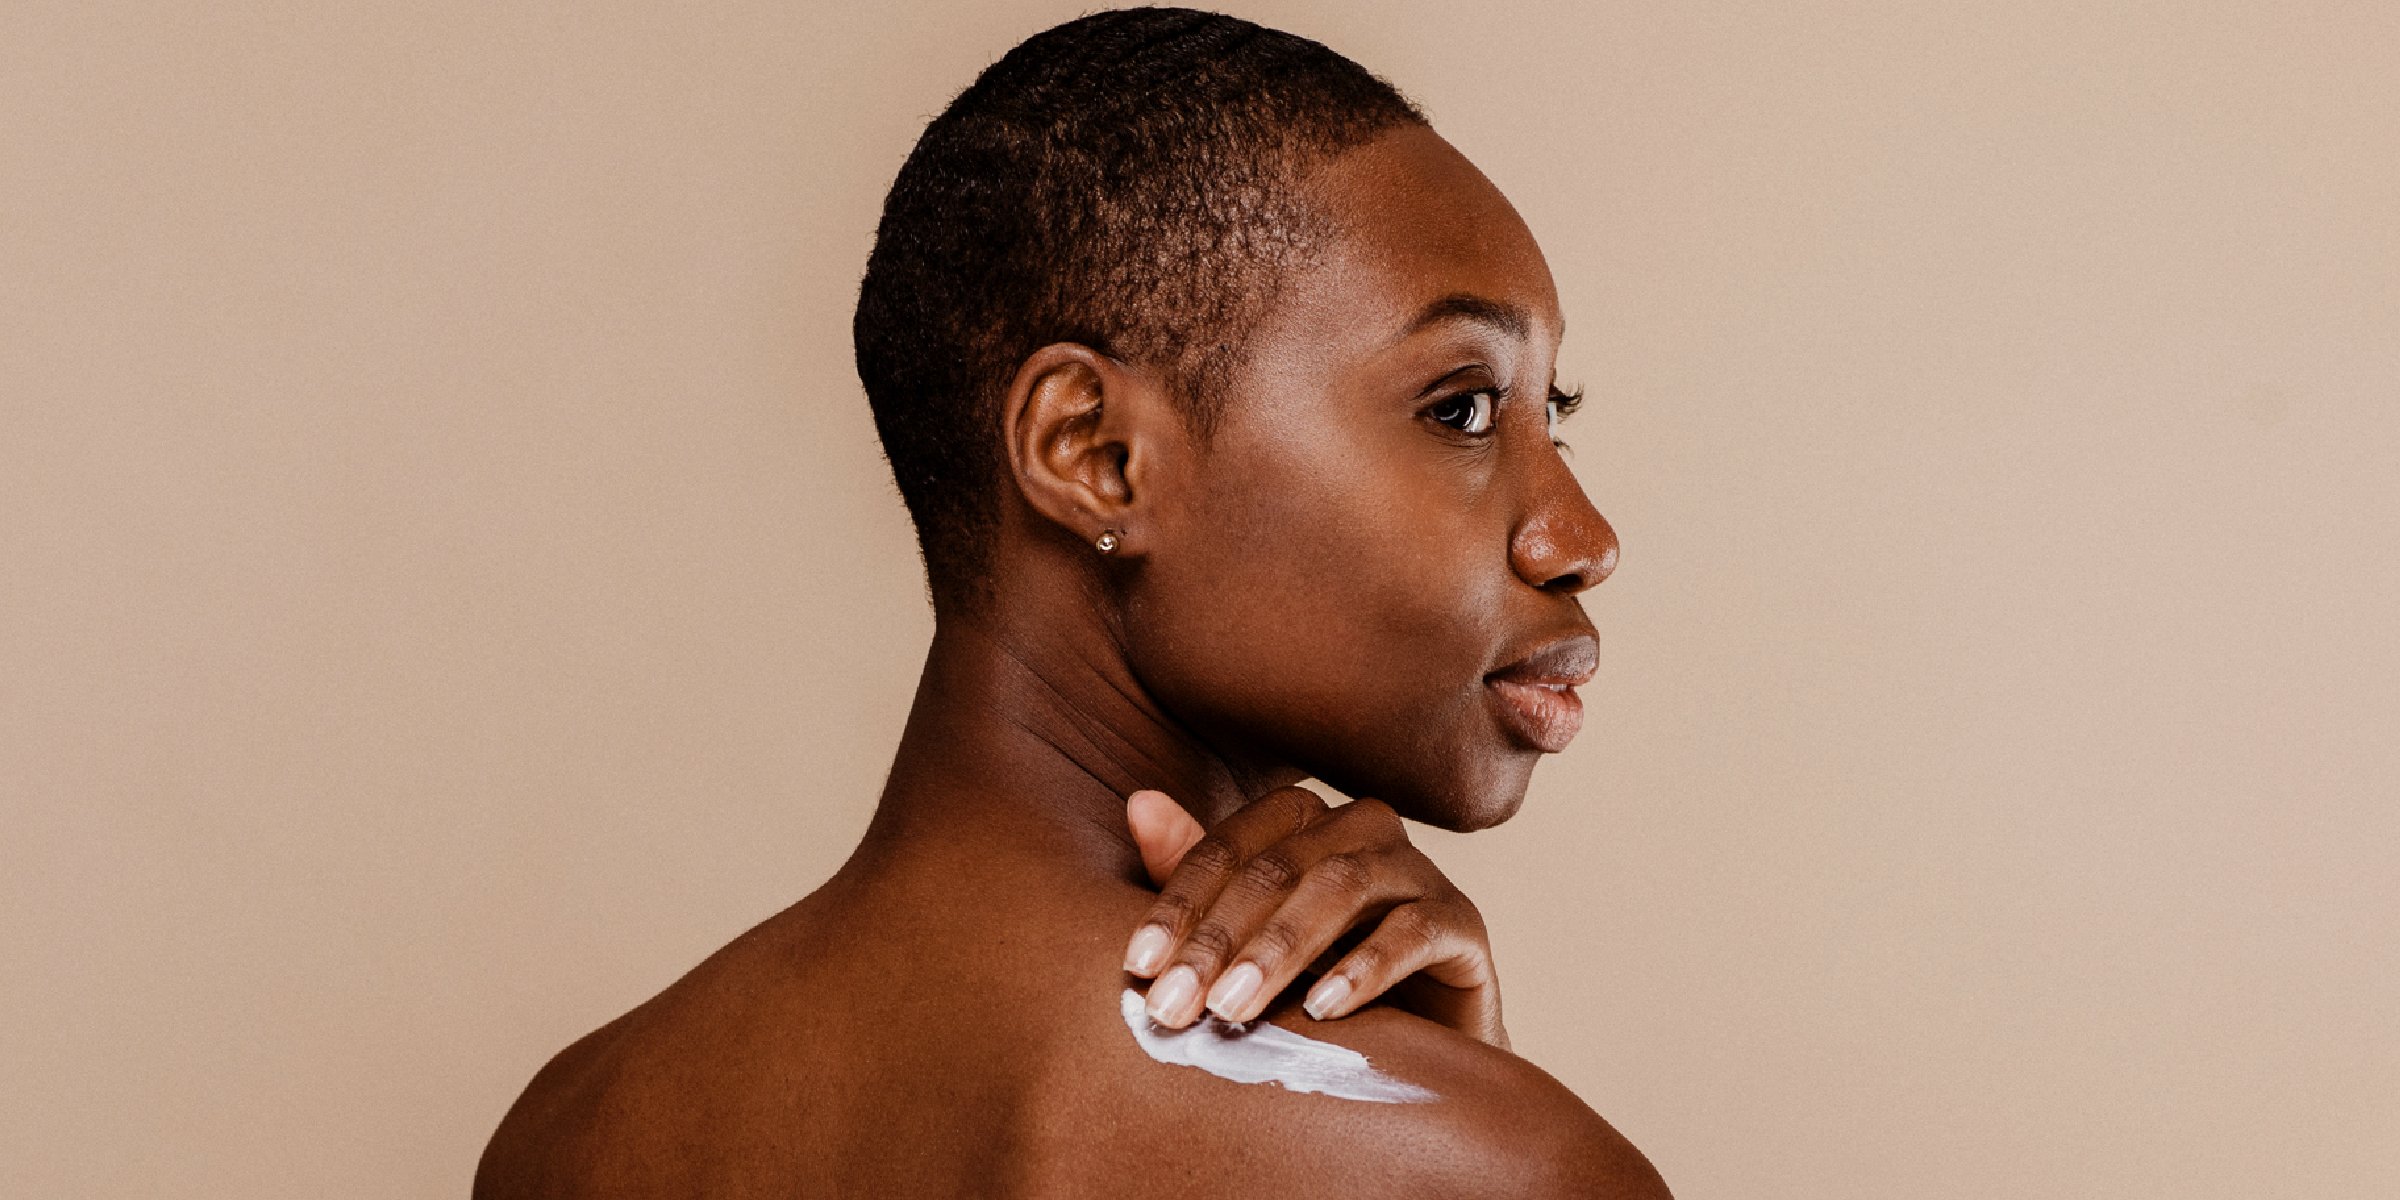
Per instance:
(1535,695)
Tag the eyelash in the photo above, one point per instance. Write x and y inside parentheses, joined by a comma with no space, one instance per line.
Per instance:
(1561,406)
(1491,398)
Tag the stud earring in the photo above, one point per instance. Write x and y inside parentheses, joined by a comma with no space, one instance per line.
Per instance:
(1107,541)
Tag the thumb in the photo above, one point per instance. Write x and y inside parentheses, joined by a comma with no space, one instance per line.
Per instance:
(1162,830)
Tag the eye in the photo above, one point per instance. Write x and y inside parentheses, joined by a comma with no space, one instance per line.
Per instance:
(1467,412)
(1562,405)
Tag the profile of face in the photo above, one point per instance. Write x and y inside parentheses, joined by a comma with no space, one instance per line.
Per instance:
(1369,569)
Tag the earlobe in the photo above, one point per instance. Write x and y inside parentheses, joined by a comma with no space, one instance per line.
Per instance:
(1073,422)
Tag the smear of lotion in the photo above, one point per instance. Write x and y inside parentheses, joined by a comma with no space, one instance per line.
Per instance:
(1264,1053)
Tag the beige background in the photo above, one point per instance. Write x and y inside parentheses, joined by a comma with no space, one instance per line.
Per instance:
(448,584)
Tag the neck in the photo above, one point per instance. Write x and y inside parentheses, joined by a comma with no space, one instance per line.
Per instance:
(1027,745)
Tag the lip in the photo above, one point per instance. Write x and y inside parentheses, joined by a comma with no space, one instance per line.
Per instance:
(1534,695)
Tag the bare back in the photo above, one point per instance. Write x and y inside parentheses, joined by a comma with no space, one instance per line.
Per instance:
(889,1037)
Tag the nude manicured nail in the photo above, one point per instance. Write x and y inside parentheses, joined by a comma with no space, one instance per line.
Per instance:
(1171,993)
(1330,991)
(1233,992)
(1149,945)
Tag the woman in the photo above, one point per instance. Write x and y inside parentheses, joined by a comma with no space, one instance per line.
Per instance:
(1220,390)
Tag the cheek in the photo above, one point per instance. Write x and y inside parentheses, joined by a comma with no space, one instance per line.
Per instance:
(1336,618)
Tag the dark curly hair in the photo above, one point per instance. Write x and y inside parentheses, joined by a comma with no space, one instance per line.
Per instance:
(1125,181)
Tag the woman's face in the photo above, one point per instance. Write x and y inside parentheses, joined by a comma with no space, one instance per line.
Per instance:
(1369,572)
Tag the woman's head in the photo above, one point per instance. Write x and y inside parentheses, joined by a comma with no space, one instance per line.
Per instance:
(1321,429)
(1123,181)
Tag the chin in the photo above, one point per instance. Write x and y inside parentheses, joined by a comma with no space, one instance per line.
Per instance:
(1469,792)
(1485,810)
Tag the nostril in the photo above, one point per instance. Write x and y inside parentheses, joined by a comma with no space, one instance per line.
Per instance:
(1570,583)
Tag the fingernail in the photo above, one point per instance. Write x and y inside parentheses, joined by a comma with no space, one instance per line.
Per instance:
(1149,945)
(1232,994)
(1169,995)
(1330,991)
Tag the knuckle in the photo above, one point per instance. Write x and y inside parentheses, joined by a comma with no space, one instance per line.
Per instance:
(1299,802)
(1173,911)
(1271,872)
(1475,971)
(1345,871)
(1373,822)
(1376,813)
(1272,945)
(1364,963)
(1208,944)
(1412,927)
(1211,854)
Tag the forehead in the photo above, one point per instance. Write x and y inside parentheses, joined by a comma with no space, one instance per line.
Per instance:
(1417,232)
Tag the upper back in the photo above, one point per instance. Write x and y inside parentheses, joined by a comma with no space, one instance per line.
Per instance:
(866,1043)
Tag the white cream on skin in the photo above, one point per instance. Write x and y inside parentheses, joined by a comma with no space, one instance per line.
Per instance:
(1262,1053)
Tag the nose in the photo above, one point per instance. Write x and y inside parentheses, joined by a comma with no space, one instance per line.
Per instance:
(1563,545)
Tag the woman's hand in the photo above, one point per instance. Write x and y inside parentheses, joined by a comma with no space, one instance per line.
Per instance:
(1245,908)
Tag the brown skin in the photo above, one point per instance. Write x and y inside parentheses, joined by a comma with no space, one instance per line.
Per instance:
(1274,887)
(1320,589)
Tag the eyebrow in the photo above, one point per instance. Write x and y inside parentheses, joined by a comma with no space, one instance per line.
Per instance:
(1465,306)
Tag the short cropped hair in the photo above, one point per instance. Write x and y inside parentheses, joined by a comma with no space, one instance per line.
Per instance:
(1126,181)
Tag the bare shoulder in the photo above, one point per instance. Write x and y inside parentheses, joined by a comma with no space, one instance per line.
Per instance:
(681,1093)
(604,1114)
(1506,1127)
(788,1064)
(538,1148)
(1493,1125)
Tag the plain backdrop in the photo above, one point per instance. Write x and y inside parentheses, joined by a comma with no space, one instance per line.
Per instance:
(448,583)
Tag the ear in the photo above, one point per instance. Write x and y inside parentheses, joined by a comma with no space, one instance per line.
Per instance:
(1081,430)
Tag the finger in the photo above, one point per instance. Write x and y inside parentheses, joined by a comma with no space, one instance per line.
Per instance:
(1472,1011)
(1161,830)
(1194,886)
(1295,899)
(1339,892)
(1411,938)
(1345,854)
(1204,867)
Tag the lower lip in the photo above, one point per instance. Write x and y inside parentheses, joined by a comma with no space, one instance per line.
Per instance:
(1541,718)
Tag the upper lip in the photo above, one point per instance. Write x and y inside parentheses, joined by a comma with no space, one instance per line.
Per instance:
(1569,661)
